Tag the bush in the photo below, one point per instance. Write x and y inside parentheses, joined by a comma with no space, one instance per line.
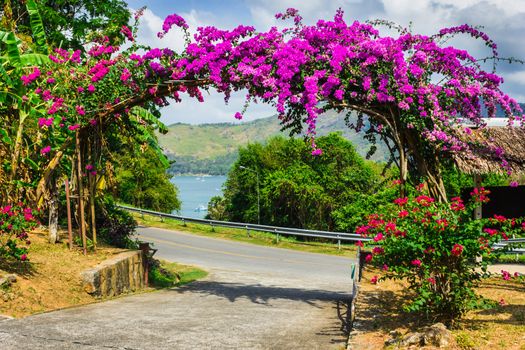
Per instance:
(115,226)
(437,248)
(161,277)
(15,221)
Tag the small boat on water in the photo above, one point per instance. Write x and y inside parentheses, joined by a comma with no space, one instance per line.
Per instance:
(201,208)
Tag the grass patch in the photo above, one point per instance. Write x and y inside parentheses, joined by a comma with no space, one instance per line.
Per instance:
(380,311)
(168,274)
(259,238)
(51,279)
(511,259)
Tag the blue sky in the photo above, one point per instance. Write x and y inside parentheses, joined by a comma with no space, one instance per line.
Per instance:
(503,20)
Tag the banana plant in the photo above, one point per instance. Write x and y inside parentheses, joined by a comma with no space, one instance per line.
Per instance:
(16,58)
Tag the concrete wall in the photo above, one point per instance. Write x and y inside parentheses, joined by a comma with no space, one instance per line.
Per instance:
(120,274)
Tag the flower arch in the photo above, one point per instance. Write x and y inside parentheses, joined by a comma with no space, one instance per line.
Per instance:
(411,91)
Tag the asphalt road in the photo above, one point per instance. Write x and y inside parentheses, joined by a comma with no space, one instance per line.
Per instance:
(254,298)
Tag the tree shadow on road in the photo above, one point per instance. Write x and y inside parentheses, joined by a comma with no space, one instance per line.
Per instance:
(261,294)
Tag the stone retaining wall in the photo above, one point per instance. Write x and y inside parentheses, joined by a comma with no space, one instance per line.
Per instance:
(120,274)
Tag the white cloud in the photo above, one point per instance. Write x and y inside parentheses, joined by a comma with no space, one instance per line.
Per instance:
(213,109)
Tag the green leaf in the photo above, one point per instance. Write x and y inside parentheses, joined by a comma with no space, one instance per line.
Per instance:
(13,53)
(5,137)
(34,59)
(37,27)
(31,163)
(5,76)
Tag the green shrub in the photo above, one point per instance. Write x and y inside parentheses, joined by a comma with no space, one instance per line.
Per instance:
(115,226)
(437,248)
(15,221)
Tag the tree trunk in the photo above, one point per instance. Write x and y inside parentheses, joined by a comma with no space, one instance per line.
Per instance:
(53,213)
(16,152)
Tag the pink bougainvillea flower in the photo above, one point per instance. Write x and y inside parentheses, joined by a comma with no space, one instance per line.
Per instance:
(91,88)
(390,226)
(23,257)
(238,115)
(379,237)
(502,302)
(317,152)
(45,122)
(45,150)
(505,275)
(490,231)
(171,20)
(457,249)
(416,262)
(514,184)
(429,250)
(403,213)
(359,243)
(127,33)
(374,280)
(80,110)
(401,201)
(363,230)
(125,75)
(368,258)
(431,280)
(456,204)
(385,267)
(73,127)
(378,250)
(424,201)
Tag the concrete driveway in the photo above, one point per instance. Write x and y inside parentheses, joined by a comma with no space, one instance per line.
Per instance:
(254,298)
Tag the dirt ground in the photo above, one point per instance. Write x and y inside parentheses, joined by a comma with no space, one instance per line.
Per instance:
(379,312)
(51,279)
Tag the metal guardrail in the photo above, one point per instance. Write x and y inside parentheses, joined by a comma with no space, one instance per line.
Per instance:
(511,241)
(337,236)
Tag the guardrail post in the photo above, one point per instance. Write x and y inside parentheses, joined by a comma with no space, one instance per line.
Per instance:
(161,218)
(184,222)
(248,231)
(141,214)
(277,235)
(144,247)
(338,243)
(212,227)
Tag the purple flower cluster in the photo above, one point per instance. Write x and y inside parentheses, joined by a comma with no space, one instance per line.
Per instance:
(302,71)
(127,33)
(170,21)
(28,79)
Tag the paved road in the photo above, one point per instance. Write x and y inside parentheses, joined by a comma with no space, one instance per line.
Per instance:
(254,298)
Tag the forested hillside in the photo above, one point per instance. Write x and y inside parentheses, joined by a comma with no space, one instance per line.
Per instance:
(212,148)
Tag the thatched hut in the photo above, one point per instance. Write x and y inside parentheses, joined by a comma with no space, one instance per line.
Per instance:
(511,140)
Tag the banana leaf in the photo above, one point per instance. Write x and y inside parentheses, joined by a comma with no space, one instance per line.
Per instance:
(37,27)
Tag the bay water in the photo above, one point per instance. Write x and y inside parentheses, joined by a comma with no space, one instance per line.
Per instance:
(195,192)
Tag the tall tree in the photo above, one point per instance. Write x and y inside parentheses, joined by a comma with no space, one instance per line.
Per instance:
(296,189)
(70,23)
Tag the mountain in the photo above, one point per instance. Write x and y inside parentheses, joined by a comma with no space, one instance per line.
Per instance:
(212,148)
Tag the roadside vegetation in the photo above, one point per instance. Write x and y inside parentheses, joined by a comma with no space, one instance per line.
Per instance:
(165,274)
(381,312)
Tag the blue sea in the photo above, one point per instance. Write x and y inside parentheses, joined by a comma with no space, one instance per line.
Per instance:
(195,192)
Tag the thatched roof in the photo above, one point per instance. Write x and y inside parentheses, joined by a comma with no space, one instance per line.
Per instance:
(510,139)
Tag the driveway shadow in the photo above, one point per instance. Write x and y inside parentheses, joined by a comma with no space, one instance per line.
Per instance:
(261,294)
